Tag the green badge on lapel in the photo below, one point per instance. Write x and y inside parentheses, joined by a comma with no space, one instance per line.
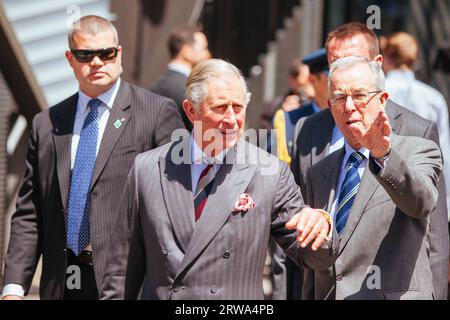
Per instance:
(117,124)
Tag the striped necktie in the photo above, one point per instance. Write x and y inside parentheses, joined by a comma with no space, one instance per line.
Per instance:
(78,235)
(205,183)
(348,191)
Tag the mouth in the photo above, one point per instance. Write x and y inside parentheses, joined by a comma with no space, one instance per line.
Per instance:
(97,73)
(230,132)
(350,122)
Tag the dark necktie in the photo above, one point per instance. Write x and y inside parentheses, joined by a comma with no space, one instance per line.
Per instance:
(78,235)
(348,191)
(205,183)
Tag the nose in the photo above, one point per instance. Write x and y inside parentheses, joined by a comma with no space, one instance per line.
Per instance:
(96,61)
(349,104)
(230,116)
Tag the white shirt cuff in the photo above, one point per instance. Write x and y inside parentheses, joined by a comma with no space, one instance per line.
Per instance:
(13,289)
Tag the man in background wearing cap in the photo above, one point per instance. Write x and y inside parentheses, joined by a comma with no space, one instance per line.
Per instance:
(284,120)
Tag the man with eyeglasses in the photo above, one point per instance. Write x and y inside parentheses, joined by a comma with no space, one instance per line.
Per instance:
(79,155)
(380,189)
(317,136)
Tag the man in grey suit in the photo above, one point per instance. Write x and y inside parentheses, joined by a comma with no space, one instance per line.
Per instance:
(187,47)
(380,189)
(317,136)
(79,155)
(201,209)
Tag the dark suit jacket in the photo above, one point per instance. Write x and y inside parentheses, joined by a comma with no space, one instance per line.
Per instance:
(39,223)
(172,85)
(221,256)
(313,136)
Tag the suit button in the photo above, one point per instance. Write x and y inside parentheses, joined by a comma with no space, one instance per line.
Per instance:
(176,288)
(165,252)
(339,277)
(226,255)
(213,289)
(94,195)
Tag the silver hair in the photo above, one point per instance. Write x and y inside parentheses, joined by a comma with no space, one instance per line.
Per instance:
(378,78)
(92,25)
(197,82)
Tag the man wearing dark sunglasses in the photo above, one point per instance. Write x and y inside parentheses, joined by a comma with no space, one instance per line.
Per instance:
(80,152)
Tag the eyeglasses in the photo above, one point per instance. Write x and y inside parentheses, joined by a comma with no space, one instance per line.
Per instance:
(85,55)
(358,96)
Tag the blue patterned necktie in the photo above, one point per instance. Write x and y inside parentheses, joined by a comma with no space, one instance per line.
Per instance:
(348,191)
(78,235)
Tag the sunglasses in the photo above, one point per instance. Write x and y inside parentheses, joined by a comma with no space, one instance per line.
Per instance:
(105,54)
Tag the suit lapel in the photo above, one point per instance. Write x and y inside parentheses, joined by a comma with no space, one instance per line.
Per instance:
(329,180)
(177,191)
(367,188)
(119,112)
(231,181)
(63,121)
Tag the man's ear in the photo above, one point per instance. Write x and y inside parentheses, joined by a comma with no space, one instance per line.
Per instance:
(69,57)
(189,110)
(384,97)
(379,59)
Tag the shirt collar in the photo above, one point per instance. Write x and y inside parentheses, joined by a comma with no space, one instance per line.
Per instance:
(198,156)
(106,97)
(179,68)
(349,150)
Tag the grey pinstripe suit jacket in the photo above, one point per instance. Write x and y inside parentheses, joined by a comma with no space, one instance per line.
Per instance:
(313,136)
(383,252)
(39,223)
(222,255)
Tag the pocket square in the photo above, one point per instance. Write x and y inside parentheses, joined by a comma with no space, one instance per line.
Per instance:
(243,203)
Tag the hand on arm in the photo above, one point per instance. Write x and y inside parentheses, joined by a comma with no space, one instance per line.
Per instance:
(312,226)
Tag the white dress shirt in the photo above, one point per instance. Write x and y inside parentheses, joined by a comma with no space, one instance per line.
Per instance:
(107,99)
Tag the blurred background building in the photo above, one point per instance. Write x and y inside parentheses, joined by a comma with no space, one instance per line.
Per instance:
(261,37)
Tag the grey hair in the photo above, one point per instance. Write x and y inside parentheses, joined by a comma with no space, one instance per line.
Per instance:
(92,25)
(378,78)
(197,82)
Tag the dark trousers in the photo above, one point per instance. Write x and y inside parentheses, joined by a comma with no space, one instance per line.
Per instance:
(80,277)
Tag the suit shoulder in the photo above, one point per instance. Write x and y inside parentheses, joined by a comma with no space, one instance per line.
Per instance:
(411,116)
(145,95)
(260,157)
(44,117)
(153,155)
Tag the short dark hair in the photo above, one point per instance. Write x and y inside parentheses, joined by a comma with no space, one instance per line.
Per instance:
(352,29)
(93,25)
(179,36)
